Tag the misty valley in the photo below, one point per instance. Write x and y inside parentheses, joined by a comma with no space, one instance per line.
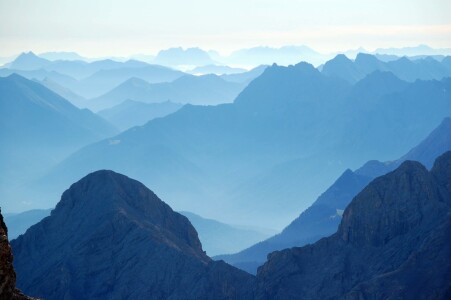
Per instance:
(268,173)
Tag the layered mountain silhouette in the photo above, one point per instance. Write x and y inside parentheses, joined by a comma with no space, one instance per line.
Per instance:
(111,237)
(245,77)
(289,134)
(404,68)
(216,69)
(64,92)
(88,79)
(103,80)
(220,238)
(322,218)
(134,113)
(205,90)
(393,242)
(286,55)
(18,223)
(8,288)
(38,128)
(183,57)
(62,55)
(28,61)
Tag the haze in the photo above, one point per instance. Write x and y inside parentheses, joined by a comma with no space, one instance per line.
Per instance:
(121,28)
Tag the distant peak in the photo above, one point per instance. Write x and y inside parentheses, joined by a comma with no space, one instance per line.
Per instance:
(341,57)
(365,57)
(29,53)
(305,66)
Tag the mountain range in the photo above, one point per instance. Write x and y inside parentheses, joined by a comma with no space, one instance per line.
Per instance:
(404,68)
(38,128)
(219,238)
(392,243)
(203,90)
(216,69)
(132,113)
(322,218)
(110,236)
(183,57)
(87,79)
(288,124)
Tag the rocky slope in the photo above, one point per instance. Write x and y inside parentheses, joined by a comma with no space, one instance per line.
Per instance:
(393,243)
(110,237)
(323,217)
(8,290)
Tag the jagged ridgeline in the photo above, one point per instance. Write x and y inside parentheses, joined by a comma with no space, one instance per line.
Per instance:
(111,237)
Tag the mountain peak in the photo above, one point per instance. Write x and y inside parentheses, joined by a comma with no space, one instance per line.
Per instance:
(106,193)
(365,57)
(401,197)
(341,58)
(110,236)
(28,61)
(393,242)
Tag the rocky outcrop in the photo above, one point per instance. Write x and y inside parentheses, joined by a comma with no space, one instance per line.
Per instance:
(8,290)
(112,238)
(393,243)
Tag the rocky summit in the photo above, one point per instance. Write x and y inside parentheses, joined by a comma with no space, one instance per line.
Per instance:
(393,243)
(8,290)
(110,237)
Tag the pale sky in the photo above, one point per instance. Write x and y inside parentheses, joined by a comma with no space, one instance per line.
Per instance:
(121,28)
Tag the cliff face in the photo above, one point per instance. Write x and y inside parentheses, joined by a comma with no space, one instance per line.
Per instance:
(8,288)
(110,238)
(393,242)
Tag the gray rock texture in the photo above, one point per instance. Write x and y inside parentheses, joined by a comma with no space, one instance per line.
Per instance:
(110,237)
(393,243)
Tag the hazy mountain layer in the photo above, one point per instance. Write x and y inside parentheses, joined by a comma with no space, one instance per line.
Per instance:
(38,128)
(205,90)
(287,136)
(404,68)
(323,217)
(134,113)
(219,238)
(392,243)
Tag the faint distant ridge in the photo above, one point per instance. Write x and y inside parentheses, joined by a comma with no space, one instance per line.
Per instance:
(404,68)
(135,113)
(419,50)
(28,61)
(216,69)
(52,56)
(183,57)
(285,55)
(34,115)
(324,215)
(205,90)
(285,122)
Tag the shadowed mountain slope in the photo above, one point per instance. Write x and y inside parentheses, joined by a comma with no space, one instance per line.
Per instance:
(391,243)
(111,237)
